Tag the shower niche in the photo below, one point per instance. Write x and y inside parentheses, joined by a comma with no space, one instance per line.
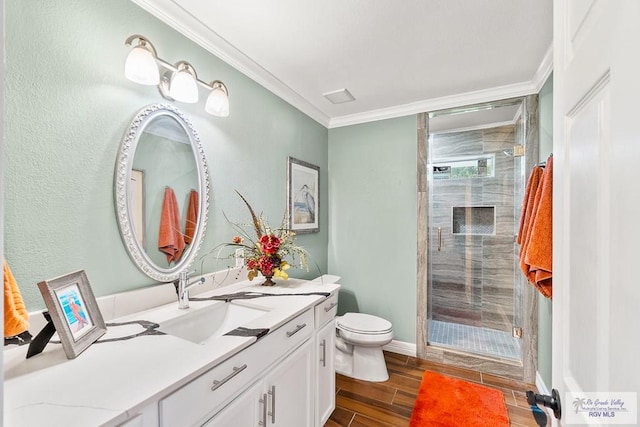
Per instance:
(475,220)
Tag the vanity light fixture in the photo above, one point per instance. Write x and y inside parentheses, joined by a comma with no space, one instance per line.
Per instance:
(141,66)
(183,86)
(179,82)
(218,100)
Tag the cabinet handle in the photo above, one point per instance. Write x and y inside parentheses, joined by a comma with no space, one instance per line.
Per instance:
(296,330)
(439,239)
(327,309)
(272,392)
(264,410)
(323,344)
(218,383)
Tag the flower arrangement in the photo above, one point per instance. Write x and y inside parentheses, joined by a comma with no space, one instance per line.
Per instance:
(267,252)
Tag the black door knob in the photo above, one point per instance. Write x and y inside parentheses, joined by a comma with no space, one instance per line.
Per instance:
(552,402)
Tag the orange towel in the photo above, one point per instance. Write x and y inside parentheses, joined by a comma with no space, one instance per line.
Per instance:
(15,313)
(532,200)
(170,240)
(192,217)
(539,251)
(527,204)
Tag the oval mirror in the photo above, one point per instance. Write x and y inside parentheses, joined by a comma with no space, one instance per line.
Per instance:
(161,191)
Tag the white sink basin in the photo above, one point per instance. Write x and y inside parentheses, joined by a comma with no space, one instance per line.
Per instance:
(204,324)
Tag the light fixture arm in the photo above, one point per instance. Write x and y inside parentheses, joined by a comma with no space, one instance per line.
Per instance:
(142,40)
(214,84)
(173,68)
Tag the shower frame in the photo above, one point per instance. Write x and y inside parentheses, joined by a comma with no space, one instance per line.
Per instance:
(524,370)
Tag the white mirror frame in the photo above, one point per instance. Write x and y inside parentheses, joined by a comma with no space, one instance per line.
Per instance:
(124,166)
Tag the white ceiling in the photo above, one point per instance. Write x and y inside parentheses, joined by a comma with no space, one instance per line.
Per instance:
(396,57)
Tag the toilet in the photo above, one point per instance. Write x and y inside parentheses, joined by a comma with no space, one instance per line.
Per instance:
(359,341)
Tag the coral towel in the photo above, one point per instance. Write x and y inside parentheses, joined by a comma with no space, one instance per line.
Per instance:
(192,217)
(527,204)
(170,239)
(536,255)
(15,313)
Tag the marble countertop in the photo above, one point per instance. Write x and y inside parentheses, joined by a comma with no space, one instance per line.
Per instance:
(111,381)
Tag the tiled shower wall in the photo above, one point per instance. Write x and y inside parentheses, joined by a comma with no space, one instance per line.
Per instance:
(473,275)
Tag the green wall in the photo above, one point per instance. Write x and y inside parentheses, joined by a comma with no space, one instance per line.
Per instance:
(67,107)
(373,215)
(544,304)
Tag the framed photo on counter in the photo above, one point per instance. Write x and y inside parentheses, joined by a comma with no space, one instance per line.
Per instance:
(74,311)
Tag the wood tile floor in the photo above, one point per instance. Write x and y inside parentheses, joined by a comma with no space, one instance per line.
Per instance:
(390,403)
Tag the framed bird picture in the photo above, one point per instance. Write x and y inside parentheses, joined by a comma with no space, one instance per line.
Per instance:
(74,311)
(303,189)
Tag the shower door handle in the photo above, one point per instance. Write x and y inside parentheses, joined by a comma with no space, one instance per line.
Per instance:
(439,238)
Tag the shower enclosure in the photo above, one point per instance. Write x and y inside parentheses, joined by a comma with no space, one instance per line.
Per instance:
(478,307)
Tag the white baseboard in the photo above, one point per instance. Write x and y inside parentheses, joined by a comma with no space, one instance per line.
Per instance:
(543,389)
(401,347)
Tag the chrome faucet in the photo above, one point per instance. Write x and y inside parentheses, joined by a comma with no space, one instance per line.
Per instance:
(182,288)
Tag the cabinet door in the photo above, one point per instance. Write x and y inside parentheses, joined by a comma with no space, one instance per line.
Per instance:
(290,391)
(325,373)
(247,410)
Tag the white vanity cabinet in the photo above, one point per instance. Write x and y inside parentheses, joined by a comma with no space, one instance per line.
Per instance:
(245,410)
(325,374)
(197,401)
(182,384)
(283,398)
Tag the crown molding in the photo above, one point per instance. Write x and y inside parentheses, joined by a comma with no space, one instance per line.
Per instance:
(502,92)
(544,70)
(191,27)
(468,98)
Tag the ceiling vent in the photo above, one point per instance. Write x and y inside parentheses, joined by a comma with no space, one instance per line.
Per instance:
(339,96)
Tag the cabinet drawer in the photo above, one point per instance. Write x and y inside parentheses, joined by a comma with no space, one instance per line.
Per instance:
(205,395)
(211,390)
(326,310)
(288,336)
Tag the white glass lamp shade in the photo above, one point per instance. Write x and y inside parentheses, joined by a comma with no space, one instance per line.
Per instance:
(183,86)
(141,67)
(218,101)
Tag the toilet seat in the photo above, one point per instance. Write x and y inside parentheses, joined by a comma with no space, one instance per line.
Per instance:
(365,324)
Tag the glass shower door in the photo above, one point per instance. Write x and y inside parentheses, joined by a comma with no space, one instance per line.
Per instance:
(475,193)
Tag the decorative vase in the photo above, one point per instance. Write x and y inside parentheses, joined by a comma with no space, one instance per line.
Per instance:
(268,281)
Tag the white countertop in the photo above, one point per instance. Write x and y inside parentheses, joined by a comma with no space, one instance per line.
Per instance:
(111,381)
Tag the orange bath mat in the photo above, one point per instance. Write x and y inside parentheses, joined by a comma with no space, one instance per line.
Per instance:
(444,401)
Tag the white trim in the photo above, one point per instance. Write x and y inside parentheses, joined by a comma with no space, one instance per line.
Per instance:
(2,172)
(469,98)
(543,389)
(544,70)
(194,29)
(401,347)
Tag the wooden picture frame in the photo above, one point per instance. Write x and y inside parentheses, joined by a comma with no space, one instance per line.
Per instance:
(74,311)
(303,189)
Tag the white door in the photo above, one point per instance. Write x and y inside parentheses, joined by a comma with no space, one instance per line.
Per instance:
(596,202)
